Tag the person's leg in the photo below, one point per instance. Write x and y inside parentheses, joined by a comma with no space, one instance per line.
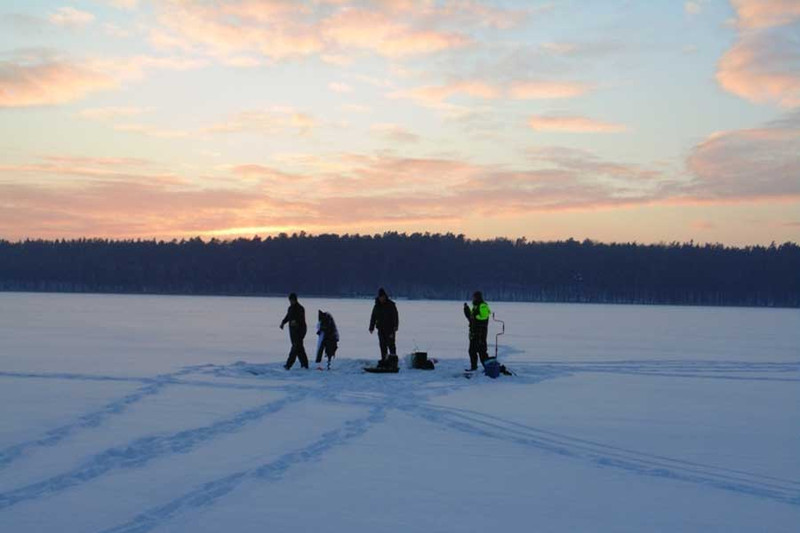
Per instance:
(291,359)
(319,352)
(382,343)
(390,338)
(473,353)
(330,351)
(483,350)
(301,354)
(294,338)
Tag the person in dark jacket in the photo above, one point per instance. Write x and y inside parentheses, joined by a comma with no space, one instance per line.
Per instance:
(478,317)
(296,318)
(386,320)
(328,338)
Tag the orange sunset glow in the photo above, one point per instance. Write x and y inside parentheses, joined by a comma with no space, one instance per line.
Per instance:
(617,121)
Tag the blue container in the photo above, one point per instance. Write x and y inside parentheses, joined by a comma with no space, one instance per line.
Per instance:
(492,368)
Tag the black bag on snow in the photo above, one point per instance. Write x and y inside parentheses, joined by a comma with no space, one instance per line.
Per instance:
(420,361)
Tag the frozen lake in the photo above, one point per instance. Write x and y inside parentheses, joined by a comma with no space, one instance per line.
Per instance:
(156,413)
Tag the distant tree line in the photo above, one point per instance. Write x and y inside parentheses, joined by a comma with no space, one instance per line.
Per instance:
(414,266)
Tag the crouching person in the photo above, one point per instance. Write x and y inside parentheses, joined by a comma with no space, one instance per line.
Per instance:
(328,340)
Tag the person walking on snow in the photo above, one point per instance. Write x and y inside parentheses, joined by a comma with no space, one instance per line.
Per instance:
(328,338)
(478,317)
(385,318)
(296,318)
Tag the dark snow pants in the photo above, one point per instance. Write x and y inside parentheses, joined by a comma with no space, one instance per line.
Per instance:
(478,346)
(329,347)
(298,351)
(387,343)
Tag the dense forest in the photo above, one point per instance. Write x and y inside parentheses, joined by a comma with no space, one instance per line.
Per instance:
(411,266)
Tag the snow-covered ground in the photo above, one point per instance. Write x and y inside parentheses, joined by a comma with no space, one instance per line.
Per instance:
(172,414)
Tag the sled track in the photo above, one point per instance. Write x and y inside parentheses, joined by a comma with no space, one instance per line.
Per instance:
(474,423)
(724,370)
(408,392)
(94,419)
(141,451)
(208,493)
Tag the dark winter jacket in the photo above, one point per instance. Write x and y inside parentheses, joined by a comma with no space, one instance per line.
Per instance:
(296,318)
(384,316)
(327,327)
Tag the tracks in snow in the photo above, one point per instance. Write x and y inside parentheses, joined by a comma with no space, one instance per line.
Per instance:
(142,451)
(408,392)
(724,370)
(151,387)
(208,493)
(603,455)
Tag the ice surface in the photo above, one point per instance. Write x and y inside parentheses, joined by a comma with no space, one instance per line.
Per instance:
(144,413)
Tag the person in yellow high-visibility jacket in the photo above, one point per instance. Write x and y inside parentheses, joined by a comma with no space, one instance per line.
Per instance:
(478,317)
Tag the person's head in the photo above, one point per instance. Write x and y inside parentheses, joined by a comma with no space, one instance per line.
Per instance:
(382,296)
(477,297)
(292,298)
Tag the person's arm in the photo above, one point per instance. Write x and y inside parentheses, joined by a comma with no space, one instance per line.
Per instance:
(286,318)
(372,318)
(396,317)
(467,312)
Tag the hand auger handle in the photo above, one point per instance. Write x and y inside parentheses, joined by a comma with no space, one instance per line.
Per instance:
(497,337)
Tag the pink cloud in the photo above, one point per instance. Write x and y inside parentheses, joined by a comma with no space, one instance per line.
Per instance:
(763,66)
(362,191)
(129,197)
(436,95)
(433,95)
(573,124)
(759,163)
(68,196)
(394,133)
(282,29)
(379,32)
(702,225)
(534,90)
(266,121)
(81,170)
(340,87)
(471,12)
(275,120)
(270,28)
(111,112)
(70,17)
(152,131)
(766,13)
(46,81)
(42,78)
(123,4)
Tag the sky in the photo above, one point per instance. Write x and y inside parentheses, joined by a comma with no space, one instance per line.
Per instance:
(647,121)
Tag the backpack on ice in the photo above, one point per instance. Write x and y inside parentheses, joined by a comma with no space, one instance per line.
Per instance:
(420,361)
